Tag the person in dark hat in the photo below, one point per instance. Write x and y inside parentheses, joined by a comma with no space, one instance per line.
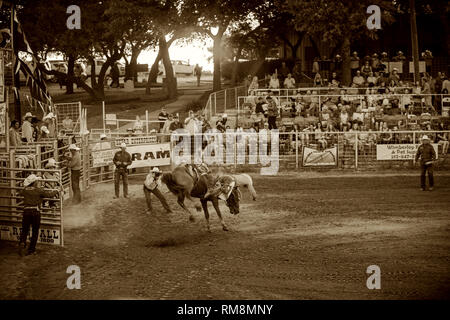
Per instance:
(33,196)
(427,156)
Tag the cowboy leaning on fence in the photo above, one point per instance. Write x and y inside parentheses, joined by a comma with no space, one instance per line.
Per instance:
(51,165)
(33,196)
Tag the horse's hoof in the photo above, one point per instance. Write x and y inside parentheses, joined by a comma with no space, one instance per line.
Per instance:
(224,228)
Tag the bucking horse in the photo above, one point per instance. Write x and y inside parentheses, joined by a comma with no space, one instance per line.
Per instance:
(187,181)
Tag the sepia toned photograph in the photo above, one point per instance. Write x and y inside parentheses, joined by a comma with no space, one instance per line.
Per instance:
(224,155)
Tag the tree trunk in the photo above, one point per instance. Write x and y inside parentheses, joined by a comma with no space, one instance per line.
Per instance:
(234,74)
(170,78)
(154,70)
(217,51)
(70,74)
(131,70)
(93,77)
(346,72)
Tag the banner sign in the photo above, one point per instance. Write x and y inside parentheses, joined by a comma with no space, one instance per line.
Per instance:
(102,158)
(131,141)
(150,155)
(316,158)
(422,67)
(47,235)
(110,119)
(399,151)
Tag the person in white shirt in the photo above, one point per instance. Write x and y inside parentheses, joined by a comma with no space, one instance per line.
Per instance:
(358,79)
(27,128)
(274,82)
(152,184)
(138,126)
(289,82)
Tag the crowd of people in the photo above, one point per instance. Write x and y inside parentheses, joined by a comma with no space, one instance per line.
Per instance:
(34,129)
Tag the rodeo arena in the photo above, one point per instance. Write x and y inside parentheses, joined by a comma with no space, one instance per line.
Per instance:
(280,187)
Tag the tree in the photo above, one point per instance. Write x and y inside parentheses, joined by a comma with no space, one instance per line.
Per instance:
(213,19)
(339,22)
(46,30)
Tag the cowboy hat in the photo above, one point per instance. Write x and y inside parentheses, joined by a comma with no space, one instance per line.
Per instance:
(156,170)
(103,136)
(50,115)
(51,163)
(224,115)
(31,179)
(425,137)
(45,129)
(73,147)
(123,145)
(28,115)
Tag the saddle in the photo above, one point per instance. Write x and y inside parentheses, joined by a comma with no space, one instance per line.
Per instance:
(196,171)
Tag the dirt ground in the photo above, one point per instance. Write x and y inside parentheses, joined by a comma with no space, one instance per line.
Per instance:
(306,237)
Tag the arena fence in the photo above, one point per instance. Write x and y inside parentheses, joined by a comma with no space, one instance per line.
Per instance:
(391,103)
(297,150)
(11,210)
(68,117)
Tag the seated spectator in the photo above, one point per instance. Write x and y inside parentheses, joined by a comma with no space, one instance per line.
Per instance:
(334,80)
(371,80)
(289,82)
(442,138)
(274,83)
(259,105)
(394,77)
(375,62)
(358,79)
(139,127)
(366,69)
(318,80)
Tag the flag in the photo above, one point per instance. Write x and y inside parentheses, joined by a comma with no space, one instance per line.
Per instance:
(35,80)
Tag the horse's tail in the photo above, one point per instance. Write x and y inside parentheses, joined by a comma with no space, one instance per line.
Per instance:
(167,179)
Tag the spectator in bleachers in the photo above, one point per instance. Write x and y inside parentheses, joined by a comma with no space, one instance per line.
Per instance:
(375,62)
(427,91)
(176,124)
(284,71)
(371,79)
(297,71)
(221,123)
(358,79)
(138,126)
(274,83)
(394,77)
(334,80)
(445,84)
(162,116)
(272,113)
(318,80)
(399,57)
(354,63)
(316,66)
(366,69)
(14,134)
(289,82)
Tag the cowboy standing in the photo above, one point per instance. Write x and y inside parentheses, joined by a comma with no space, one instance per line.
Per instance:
(151,184)
(74,164)
(27,128)
(47,175)
(427,155)
(122,159)
(33,197)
